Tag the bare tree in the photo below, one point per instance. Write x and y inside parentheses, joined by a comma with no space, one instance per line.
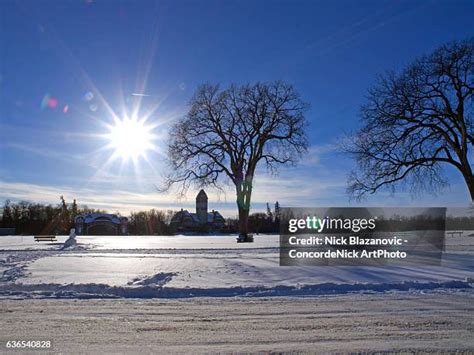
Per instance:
(416,121)
(227,133)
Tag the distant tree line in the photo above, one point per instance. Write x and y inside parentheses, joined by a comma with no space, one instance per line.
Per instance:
(411,223)
(36,218)
(425,222)
(156,222)
(460,223)
(152,222)
(30,218)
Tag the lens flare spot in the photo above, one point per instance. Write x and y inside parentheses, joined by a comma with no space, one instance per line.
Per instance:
(88,96)
(49,102)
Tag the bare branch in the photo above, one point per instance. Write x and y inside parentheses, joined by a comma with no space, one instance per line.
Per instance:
(416,121)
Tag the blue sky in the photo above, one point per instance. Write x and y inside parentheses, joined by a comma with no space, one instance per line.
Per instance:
(330,51)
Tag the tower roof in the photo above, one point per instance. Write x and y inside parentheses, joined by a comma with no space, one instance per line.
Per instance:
(201,195)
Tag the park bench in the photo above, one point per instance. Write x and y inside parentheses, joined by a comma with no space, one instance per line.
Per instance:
(453,233)
(45,238)
(240,239)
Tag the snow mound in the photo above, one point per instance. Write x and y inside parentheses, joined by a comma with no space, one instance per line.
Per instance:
(155,280)
(82,291)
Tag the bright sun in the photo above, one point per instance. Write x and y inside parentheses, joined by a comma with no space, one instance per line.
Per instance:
(130,138)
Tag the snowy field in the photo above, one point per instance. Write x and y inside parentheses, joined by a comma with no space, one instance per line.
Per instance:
(208,294)
(205,266)
(353,323)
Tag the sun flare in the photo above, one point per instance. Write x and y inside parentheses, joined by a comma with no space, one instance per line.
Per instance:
(130,138)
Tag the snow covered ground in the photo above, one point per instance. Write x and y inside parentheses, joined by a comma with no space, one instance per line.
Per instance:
(407,323)
(190,266)
(61,296)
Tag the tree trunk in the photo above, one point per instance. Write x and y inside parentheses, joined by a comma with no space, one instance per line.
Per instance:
(469,178)
(243,221)
(244,193)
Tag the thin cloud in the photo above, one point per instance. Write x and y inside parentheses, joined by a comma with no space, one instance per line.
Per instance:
(44,152)
(316,153)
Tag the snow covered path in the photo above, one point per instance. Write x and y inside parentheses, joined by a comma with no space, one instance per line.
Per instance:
(408,323)
(205,266)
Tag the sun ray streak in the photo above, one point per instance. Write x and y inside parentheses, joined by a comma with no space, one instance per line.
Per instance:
(146,63)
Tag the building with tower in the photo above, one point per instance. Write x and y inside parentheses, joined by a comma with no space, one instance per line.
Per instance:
(201,206)
(201,221)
